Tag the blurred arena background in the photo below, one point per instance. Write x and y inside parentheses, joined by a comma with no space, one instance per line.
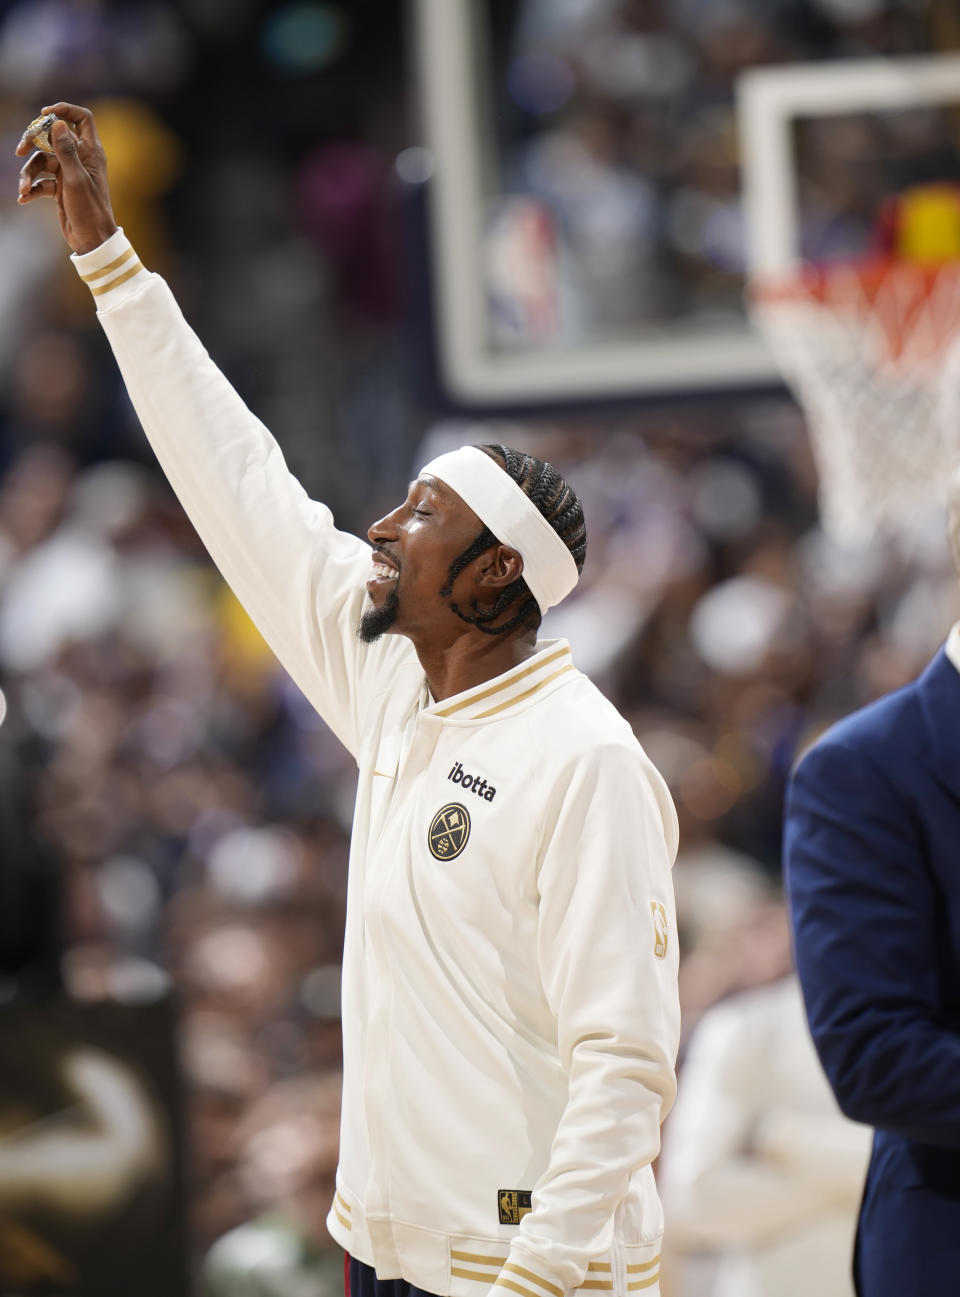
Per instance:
(387,222)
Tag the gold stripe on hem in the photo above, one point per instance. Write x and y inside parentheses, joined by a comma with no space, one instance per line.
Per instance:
(644,1283)
(115,283)
(341,1218)
(105,270)
(519,698)
(505,684)
(475,1256)
(513,1268)
(644,1265)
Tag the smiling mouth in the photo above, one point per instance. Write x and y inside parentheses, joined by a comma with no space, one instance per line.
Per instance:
(383,573)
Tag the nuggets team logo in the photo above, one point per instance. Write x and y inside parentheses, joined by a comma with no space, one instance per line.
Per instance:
(449,831)
(659,929)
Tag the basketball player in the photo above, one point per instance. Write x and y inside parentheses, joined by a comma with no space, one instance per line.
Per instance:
(510,965)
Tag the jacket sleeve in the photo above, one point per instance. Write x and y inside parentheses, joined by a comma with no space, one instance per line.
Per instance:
(607,951)
(300,580)
(863,906)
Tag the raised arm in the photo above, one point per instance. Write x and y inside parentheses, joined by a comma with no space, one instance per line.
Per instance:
(300,579)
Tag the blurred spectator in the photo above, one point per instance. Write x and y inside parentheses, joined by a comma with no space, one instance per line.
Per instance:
(30,919)
(760,1170)
(288,1156)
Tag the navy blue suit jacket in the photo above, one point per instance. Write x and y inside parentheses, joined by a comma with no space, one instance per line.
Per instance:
(872,854)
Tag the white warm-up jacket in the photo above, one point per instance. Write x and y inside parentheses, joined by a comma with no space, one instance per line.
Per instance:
(510,1013)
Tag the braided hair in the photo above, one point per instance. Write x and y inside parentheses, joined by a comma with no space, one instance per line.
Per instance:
(559,504)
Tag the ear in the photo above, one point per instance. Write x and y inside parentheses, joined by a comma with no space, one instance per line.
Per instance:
(497,568)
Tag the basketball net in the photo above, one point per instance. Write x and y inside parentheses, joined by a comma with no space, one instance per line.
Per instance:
(871,350)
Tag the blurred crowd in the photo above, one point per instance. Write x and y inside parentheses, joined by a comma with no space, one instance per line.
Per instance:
(618,154)
(197,809)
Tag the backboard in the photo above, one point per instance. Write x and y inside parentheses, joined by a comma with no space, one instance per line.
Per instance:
(772,100)
(470,251)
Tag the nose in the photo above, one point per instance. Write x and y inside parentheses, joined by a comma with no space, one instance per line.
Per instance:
(384,529)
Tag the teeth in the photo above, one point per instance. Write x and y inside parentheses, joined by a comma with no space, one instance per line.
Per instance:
(384,573)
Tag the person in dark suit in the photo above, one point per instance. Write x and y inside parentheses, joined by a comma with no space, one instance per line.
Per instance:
(872,857)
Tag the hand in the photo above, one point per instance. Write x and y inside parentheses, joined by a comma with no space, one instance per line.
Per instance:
(75,175)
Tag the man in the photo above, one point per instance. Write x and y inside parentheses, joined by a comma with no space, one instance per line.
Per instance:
(872,852)
(510,1001)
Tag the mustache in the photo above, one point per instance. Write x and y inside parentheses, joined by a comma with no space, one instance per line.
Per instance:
(391,558)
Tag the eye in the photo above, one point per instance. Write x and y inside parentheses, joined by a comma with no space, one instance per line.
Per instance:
(420,513)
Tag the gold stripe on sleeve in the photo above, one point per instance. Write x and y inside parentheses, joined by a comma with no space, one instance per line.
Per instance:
(341,1218)
(605,1284)
(338,1197)
(483,1275)
(503,1282)
(644,1283)
(599,1265)
(105,270)
(115,283)
(644,1265)
(477,1258)
(534,1278)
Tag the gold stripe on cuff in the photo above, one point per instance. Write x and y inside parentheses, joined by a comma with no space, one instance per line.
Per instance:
(514,1287)
(606,1284)
(534,1278)
(482,1275)
(341,1218)
(338,1197)
(105,270)
(115,283)
(475,1256)
(599,1265)
(644,1265)
(644,1283)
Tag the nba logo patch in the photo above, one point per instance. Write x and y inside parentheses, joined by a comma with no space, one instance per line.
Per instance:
(659,929)
(513,1205)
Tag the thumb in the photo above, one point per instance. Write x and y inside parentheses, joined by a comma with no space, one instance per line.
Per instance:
(65,147)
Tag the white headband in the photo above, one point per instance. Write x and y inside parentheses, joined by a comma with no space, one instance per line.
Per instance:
(549,568)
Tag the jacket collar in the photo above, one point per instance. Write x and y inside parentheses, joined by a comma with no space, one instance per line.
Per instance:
(509,692)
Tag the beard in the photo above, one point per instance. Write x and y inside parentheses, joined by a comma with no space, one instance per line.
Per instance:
(375,622)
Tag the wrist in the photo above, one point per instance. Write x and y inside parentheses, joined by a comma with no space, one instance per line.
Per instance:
(96,239)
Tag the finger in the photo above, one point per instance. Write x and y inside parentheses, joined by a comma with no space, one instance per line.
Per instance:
(36,166)
(80,118)
(45,187)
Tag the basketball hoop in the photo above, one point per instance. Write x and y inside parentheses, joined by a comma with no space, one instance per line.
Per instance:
(864,346)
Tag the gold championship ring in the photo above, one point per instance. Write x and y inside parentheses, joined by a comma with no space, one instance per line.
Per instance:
(38,132)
